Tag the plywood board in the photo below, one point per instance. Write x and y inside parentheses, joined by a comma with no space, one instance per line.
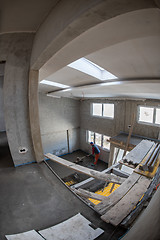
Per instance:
(117,213)
(87,171)
(76,227)
(118,194)
(30,235)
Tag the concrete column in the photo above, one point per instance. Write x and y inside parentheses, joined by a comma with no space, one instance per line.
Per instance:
(34,115)
(111,155)
(16,49)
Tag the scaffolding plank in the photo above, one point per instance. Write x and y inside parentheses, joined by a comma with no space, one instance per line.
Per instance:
(87,171)
(118,212)
(88,194)
(118,194)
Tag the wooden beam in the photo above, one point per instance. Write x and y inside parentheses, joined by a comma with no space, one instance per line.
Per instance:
(87,171)
(88,194)
(118,212)
(118,194)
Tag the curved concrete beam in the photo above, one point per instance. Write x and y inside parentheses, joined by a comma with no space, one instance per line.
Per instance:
(133,25)
(69,19)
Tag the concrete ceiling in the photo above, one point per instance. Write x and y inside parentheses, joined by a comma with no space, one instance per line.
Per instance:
(24,15)
(134,57)
(126,45)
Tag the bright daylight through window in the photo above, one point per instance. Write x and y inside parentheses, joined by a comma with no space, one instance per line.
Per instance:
(86,66)
(149,115)
(99,139)
(103,110)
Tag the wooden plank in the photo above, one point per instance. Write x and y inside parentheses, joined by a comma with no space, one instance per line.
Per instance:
(87,171)
(118,194)
(88,194)
(133,215)
(117,213)
(127,164)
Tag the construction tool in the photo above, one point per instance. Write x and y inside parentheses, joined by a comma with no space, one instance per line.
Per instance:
(80,159)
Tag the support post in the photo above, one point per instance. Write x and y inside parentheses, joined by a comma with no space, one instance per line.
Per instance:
(34,115)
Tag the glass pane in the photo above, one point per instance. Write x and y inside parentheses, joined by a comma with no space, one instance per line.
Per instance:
(106,144)
(98,139)
(90,136)
(146,114)
(97,109)
(108,110)
(157,120)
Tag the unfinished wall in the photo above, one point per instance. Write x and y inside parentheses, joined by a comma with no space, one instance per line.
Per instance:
(15,49)
(106,126)
(123,116)
(141,129)
(2,123)
(57,117)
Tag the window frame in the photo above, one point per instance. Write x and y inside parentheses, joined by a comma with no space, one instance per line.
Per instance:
(154,115)
(102,139)
(102,116)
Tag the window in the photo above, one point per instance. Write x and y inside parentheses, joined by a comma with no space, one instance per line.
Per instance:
(106,144)
(97,109)
(108,110)
(149,115)
(86,66)
(90,136)
(157,119)
(103,110)
(98,139)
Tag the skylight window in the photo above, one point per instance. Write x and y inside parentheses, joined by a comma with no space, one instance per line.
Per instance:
(55,84)
(92,69)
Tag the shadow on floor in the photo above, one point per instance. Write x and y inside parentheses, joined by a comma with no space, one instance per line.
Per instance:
(32,197)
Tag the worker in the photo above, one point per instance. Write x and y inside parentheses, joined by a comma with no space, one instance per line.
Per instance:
(96,151)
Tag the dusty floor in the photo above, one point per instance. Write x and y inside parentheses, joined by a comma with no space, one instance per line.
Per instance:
(32,197)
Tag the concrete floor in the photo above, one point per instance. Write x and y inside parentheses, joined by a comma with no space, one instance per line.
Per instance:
(32,197)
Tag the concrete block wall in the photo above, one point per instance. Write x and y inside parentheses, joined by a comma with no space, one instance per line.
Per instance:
(2,123)
(106,126)
(123,115)
(57,117)
(141,129)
